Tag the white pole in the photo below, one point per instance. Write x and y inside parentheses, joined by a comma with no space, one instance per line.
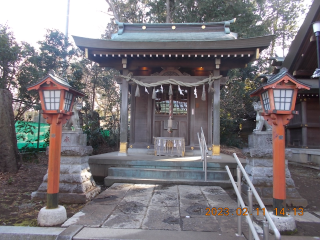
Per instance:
(66,38)
(67,23)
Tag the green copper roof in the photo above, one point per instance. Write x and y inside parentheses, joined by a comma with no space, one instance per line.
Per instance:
(171,32)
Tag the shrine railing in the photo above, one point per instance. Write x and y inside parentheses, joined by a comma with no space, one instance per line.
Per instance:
(249,216)
(204,151)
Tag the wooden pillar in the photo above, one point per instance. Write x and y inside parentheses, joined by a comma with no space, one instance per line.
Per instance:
(209,143)
(279,166)
(124,119)
(304,123)
(132,114)
(149,118)
(192,132)
(54,162)
(216,116)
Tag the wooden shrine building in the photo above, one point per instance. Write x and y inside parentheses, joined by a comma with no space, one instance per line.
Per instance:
(178,69)
(303,131)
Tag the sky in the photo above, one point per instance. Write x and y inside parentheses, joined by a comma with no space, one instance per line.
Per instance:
(29,19)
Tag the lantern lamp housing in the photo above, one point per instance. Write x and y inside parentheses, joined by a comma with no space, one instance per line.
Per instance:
(278,95)
(56,94)
(316,27)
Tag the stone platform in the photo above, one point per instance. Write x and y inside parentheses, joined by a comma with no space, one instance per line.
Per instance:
(160,207)
(140,167)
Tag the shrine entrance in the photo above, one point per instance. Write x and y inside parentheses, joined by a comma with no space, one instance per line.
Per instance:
(179,113)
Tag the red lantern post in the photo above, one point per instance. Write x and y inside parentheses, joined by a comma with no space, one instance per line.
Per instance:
(57,98)
(278,97)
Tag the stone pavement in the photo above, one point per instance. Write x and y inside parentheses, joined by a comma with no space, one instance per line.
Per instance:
(160,207)
(145,211)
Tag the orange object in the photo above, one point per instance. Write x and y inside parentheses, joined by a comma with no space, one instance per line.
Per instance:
(278,142)
(54,155)
(57,98)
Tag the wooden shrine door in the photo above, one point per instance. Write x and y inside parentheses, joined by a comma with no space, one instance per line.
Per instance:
(180,126)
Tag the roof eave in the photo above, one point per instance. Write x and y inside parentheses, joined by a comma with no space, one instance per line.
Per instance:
(258,42)
(302,36)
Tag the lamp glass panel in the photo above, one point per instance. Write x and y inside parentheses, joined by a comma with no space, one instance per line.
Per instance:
(46,94)
(316,27)
(282,99)
(289,93)
(276,93)
(67,101)
(51,99)
(266,102)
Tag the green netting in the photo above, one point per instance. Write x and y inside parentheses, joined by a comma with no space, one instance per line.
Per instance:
(106,133)
(27,134)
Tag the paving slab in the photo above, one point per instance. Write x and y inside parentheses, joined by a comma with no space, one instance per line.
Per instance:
(92,215)
(122,220)
(218,198)
(164,218)
(140,190)
(306,217)
(191,193)
(131,207)
(200,224)
(195,209)
(164,198)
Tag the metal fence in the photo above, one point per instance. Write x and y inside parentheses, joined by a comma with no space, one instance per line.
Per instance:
(237,187)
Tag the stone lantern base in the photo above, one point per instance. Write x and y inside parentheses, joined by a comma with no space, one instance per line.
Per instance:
(260,170)
(76,182)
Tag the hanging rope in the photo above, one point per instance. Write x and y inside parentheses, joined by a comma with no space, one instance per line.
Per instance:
(209,80)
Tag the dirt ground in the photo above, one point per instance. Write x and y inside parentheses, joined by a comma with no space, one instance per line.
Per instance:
(17,208)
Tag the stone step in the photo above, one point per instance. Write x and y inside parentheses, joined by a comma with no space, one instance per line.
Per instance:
(160,164)
(147,173)
(108,181)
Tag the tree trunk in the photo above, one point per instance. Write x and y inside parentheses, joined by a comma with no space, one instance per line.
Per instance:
(9,157)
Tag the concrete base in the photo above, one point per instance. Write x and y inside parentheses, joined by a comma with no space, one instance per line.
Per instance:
(283,224)
(302,155)
(52,217)
(122,154)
